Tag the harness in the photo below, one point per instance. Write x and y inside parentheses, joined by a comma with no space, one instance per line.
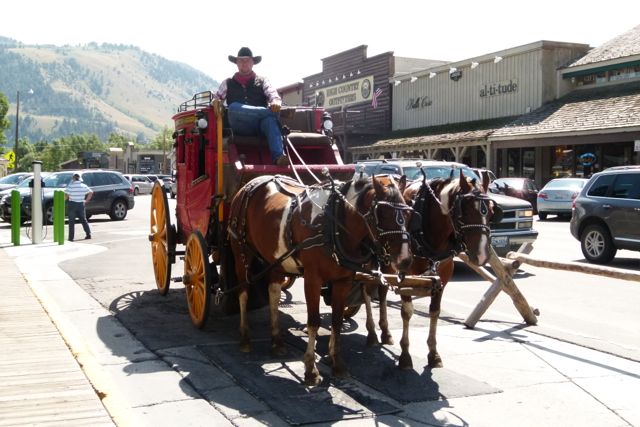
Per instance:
(329,229)
(421,246)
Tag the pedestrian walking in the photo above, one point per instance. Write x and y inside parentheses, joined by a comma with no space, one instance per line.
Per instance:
(77,195)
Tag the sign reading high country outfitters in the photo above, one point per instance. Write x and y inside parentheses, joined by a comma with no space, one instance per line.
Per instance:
(346,93)
(499,88)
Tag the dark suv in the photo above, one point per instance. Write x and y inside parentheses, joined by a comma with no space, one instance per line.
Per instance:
(516,226)
(112,195)
(606,214)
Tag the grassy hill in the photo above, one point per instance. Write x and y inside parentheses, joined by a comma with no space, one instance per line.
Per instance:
(93,89)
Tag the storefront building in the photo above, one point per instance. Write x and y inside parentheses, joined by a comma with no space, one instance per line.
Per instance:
(541,110)
(355,89)
(595,126)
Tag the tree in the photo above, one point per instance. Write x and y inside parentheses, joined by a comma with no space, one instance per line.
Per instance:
(4,123)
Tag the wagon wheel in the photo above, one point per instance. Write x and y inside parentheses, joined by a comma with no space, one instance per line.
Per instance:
(163,239)
(197,278)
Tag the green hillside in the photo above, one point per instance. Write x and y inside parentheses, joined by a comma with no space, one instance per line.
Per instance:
(94,89)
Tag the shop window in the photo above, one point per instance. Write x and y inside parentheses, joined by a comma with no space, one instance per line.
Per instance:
(529,163)
(562,162)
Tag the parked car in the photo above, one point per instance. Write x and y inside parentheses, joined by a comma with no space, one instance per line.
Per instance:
(516,225)
(166,181)
(12,180)
(112,195)
(606,214)
(174,188)
(557,196)
(522,188)
(141,183)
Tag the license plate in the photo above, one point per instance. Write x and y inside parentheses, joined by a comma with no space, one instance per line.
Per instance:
(500,241)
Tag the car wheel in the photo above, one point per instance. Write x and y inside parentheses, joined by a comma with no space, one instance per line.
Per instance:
(136,191)
(173,195)
(596,244)
(542,215)
(48,214)
(118,210)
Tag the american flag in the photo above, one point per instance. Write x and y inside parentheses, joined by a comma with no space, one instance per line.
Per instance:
(376,94)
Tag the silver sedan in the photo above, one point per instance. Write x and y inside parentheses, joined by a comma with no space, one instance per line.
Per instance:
(557,196)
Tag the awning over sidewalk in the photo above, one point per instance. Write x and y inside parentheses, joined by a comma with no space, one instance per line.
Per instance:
(456,137)
(602,114)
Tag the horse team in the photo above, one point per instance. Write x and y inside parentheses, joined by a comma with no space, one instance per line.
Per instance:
(328,232)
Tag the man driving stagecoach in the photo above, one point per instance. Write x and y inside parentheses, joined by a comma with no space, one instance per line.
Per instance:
(253,104)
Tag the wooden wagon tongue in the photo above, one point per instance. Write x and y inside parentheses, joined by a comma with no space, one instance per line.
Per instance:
(415,286)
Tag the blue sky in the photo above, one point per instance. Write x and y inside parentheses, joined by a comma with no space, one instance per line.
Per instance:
(293,36)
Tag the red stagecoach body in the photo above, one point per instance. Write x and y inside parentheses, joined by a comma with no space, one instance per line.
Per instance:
(211,166)
(201,189)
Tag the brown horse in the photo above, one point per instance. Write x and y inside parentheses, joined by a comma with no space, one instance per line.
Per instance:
(324,233)
(451,216)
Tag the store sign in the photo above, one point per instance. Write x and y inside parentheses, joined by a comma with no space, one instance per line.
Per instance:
(419,102)
(346,93)
(499,88)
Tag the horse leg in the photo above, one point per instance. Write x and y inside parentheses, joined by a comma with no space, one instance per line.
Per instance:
(445,271)
(277,344)
(243,297)
(372,338)
(434,313)
(406,311)
(339,295)
(385,334)
(312,297)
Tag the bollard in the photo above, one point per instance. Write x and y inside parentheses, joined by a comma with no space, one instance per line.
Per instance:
(58,217)
(15,217)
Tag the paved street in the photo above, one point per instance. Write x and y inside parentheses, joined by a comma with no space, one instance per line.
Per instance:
(163,371)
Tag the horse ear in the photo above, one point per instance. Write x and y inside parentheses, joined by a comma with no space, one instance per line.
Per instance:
(464,185)
(485,181)
(377,186)
(402,185)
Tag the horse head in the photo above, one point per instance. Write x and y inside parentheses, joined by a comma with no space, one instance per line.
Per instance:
(471,210)
(382,205)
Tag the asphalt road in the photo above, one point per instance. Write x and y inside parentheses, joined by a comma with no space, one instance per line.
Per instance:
(591,311)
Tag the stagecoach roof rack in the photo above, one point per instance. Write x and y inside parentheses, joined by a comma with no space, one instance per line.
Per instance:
(199,100)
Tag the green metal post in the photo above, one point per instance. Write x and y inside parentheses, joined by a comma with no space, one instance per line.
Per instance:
(58,217)
(15,218)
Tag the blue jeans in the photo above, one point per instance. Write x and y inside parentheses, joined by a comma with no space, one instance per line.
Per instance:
(248,120)
(76,210)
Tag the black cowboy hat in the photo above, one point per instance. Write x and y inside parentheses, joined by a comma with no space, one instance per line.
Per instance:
(245,52)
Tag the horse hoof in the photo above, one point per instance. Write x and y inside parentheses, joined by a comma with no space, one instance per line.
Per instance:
(372,340)
(279,351)
(340,373)
(245,346)
(435,361)
(405,362)
(387,339)
(312,379)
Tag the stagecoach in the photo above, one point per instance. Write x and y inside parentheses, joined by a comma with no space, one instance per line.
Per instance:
(211,165)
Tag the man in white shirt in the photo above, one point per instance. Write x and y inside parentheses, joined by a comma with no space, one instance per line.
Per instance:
(77,194)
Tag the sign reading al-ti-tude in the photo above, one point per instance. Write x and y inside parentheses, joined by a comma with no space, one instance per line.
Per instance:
(345,93)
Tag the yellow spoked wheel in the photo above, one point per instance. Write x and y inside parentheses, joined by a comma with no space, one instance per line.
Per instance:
(197,278)
(162,238)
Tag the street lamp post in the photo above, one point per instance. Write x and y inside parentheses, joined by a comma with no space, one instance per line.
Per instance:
(15,146)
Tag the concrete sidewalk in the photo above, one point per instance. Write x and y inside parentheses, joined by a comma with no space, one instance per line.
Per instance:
(543,381)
